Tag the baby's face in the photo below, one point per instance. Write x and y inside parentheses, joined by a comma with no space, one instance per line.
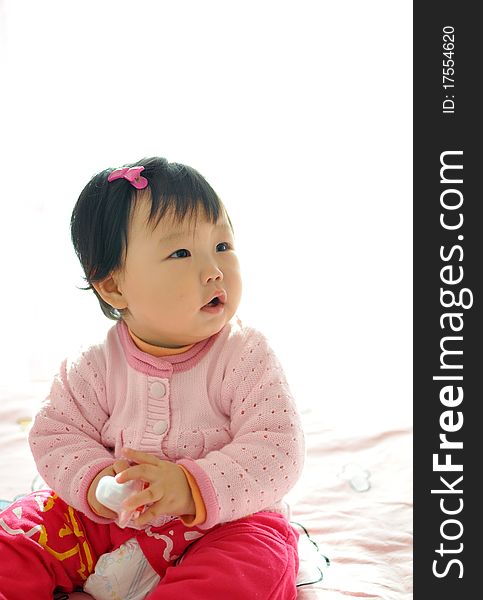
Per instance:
(172,274)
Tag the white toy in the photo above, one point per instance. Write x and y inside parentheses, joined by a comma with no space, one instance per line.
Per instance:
(112,494)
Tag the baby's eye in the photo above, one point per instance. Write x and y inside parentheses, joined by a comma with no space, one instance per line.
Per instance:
(223,247)
(183,253)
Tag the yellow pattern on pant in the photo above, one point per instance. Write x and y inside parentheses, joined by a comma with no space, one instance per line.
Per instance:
(70,528)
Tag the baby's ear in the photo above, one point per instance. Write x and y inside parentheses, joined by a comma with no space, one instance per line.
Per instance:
(108,290)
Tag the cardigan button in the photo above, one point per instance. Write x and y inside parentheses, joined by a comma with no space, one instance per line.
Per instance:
(158,389)
(160,427)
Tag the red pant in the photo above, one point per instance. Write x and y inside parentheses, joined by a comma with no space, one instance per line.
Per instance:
(46,545)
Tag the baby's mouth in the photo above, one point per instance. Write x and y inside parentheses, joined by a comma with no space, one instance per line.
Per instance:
(218,300)
(214,302)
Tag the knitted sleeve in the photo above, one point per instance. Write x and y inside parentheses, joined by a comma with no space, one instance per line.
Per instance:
(65,437)
(265,456)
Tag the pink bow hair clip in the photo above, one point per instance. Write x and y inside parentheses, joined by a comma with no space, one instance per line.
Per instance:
(132,174)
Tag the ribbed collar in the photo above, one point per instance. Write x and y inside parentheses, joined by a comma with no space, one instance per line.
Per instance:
(161,366)
(157,350)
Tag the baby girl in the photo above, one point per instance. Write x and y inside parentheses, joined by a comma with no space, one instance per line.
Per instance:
(181,397)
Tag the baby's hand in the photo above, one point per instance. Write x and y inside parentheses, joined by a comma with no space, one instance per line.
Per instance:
(94,503)
(168,491)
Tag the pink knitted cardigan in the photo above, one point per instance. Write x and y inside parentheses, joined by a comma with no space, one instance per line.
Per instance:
(222,409)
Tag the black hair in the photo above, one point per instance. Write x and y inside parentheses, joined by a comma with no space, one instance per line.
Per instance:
(100,218)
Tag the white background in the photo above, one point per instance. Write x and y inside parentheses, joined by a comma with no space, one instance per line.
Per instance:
(300,116)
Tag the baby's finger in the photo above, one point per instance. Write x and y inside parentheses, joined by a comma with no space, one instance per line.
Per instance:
(105,512)
(145,473)
(140,457)
(146,517)
(146,496)
(121,465)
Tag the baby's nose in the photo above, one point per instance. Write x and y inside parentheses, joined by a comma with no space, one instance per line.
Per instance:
(212,273)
